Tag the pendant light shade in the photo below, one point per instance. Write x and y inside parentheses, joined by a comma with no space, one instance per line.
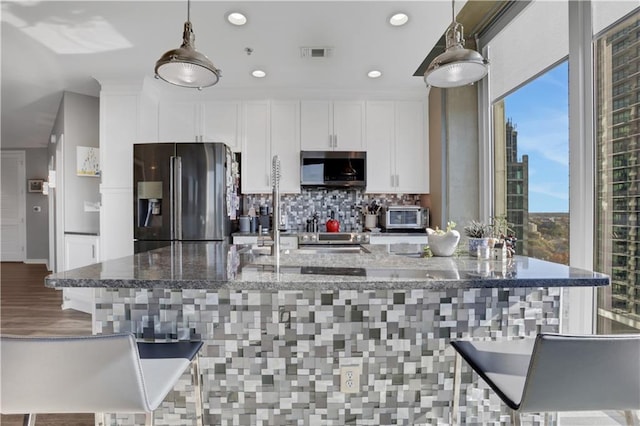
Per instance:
(457,66)
(185,66)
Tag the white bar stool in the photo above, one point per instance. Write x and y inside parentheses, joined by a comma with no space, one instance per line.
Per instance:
(555,372)
(92,374)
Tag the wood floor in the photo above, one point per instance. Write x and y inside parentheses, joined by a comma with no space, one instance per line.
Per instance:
(27,307)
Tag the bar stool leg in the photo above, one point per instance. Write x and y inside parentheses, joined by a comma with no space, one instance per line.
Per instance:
(548,419)
(195,371)
(148,420)
(515,418)
(29,420)
(456,389)
(631,418)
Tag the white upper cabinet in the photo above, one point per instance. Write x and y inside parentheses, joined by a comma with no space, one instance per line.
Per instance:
(213,121)
(221,123)
(397,148)
(412,148)
(332,126)
(255,168)
(270,128)
(178,121)
(380,133)
(285,142)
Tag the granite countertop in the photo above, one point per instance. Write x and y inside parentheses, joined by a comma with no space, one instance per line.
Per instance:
(215,265)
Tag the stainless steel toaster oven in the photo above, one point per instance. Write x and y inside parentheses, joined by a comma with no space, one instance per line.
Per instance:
(404,217)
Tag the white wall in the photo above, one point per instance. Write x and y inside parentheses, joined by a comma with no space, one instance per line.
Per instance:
(37,221)
(81,124)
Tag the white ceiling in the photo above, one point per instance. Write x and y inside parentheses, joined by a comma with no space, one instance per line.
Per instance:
(52,46)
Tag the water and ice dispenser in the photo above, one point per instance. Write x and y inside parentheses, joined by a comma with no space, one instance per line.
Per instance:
(149,203)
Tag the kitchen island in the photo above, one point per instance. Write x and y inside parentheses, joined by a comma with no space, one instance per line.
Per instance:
(277,333)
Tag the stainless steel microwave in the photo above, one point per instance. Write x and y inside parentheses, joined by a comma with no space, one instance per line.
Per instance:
(404,217)
(340,169)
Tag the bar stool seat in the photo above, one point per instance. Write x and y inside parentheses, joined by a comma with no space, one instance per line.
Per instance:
(92,374)
(556,372)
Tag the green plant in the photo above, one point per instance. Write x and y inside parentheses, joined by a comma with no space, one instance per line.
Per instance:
(450,226)
(477,229)
(500,227)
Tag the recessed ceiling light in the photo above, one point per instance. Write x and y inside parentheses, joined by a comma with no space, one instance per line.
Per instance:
(237,18)
(258,73)
(374,74)
(399,19)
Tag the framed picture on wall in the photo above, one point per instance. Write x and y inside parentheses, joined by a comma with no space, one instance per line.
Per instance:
(88,161)
(35,185)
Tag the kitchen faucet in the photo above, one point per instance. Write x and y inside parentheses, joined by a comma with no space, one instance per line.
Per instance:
(275,180)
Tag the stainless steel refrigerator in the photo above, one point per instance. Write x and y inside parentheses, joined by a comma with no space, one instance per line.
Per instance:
(182,192)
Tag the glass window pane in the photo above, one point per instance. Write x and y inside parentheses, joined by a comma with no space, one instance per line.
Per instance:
(617,245)
(532,165)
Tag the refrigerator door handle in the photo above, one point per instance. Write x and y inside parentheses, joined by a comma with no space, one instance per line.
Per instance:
(172,201)
(177,194)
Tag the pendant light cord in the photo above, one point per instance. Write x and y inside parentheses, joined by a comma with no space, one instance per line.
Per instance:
(188,10)
(453,10)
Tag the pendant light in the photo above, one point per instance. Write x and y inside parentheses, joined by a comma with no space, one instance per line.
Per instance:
(457,66)
(185,66)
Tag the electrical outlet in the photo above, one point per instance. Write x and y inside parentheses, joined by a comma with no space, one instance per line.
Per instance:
(350,378)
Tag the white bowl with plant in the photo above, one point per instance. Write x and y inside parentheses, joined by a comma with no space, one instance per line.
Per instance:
(443,243)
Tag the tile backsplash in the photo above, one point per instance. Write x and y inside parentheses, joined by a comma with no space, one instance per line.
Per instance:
(346,204)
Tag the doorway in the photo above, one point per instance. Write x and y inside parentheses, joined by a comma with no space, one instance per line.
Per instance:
(13,198)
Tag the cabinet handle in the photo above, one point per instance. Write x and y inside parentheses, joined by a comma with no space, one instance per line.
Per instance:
(330,141)
(93,251)
(335,141)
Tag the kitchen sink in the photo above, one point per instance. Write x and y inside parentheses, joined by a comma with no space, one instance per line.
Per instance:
(329,249)
(257,250)
(321,249)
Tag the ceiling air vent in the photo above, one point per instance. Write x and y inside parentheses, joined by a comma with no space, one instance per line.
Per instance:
(315,52)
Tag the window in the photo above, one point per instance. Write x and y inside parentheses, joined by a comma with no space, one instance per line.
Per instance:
(617,188)
(533,190)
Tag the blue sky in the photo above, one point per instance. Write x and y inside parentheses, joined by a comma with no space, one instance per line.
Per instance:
(540,112)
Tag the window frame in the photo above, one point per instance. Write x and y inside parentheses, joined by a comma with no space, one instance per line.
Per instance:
(581,317)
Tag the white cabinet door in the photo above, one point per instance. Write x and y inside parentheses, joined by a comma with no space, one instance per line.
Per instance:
(256,151)
(397,148)
(332,126)
(348,126)
(285,143)
(221,123)
(79,251)
(316,126)
(380,135)
(178,121)
(411,148)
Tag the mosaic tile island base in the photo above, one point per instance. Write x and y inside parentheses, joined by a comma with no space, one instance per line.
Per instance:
(277,335)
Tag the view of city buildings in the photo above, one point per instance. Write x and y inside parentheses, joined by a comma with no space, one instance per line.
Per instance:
(617,248)
(543,235)
(517,190)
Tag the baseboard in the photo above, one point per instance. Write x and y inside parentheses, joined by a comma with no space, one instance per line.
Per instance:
(38,261)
